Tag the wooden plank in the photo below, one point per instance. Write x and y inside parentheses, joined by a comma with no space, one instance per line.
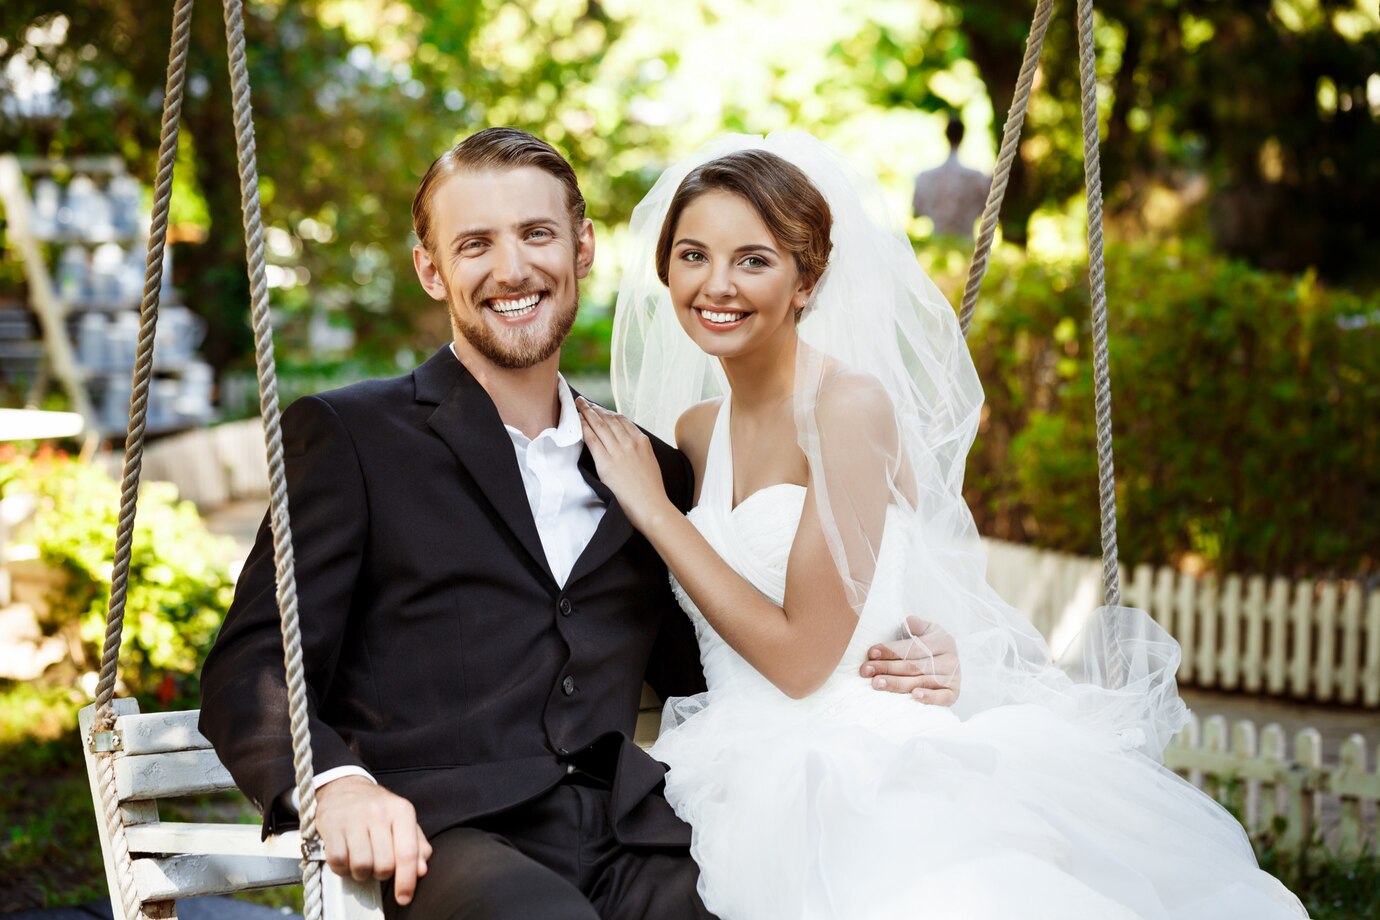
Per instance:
(1230,677)
(160,732)
(1163,609)
(1349,677)
(1301,646)
(1325,671)
(1351,826)
(139,811)
(1142,581)
(1303,801)
(1272,753)
(347,899)
(48,307)
(1207,632)
(1277,637)
(173,838)
(1185,620)
(1253,658)
(153,776)
(1370,689)
(1215,742)
(192,876)
(1244,798)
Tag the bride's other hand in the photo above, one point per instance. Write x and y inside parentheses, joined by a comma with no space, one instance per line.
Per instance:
(923,664)
(626,464)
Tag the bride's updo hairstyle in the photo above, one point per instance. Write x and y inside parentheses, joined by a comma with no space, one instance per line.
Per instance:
(787,201)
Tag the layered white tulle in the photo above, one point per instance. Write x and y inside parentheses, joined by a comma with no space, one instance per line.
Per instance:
(862,805)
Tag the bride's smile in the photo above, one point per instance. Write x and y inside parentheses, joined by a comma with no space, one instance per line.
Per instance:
(734,285)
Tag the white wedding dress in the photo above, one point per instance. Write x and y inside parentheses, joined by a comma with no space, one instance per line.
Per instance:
(864,805)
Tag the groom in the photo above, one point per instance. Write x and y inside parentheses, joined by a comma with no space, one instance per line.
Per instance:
(478,616)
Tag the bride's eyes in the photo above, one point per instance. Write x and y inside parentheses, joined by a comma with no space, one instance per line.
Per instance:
(693,255)
(756,262)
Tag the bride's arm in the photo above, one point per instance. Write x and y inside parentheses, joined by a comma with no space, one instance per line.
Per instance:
(795,645)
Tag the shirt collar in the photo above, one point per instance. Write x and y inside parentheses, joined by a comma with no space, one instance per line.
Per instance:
(567,432)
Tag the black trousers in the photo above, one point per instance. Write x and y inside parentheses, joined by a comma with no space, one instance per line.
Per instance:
(554,858)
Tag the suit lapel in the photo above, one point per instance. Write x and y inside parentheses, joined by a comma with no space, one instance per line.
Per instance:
(466,420)
(613,530)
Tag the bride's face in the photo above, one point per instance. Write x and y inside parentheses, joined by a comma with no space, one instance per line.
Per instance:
(734,287)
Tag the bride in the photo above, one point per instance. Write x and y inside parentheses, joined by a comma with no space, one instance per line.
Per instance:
(818,382)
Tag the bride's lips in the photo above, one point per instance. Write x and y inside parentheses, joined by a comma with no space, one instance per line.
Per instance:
(719,320)
(517,310)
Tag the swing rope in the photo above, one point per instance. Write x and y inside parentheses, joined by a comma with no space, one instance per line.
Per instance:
(277,478)
(134,452)
(1092,171)
(1097,277)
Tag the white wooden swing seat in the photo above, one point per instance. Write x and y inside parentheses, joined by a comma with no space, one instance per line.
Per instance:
(163,756)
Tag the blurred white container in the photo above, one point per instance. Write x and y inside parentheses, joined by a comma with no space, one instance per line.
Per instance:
(107,274)
(73,274)
(92,339)
(47,204)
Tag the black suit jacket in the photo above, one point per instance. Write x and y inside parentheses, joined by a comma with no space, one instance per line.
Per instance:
(440,653)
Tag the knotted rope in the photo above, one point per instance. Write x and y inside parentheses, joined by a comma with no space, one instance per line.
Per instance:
(1102,380)
(1092,170)
(134,451)
(273,437)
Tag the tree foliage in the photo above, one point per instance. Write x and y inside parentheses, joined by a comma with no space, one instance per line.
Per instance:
(1243,410)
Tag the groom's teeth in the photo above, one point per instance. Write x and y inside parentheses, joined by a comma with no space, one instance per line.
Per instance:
(516,307)
(716,317)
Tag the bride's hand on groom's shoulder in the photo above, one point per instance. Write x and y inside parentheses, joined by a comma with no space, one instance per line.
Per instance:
(923,664)
(626,463)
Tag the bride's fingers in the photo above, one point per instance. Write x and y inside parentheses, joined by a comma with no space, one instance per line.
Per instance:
(594,435)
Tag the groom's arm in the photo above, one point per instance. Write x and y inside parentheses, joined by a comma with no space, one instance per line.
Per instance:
(674,666)
(244,708)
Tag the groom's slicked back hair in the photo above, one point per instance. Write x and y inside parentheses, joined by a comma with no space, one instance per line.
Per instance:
(494,149)
(795,212)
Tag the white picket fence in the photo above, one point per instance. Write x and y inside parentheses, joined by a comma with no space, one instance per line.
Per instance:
(1292,796)
(1316,641)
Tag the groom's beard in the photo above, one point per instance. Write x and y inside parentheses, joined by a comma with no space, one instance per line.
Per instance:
(523,347)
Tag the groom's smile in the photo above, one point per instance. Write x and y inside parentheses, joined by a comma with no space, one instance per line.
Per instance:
(508,262)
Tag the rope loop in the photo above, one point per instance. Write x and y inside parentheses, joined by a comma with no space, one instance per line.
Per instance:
(1092,169)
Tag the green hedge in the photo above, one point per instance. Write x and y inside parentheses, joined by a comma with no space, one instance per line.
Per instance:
(1246,411)
(179,586)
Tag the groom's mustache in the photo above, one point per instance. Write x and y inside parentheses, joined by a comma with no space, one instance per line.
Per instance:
(508,293)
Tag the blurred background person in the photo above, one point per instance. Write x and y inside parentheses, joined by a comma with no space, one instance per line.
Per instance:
(951,195)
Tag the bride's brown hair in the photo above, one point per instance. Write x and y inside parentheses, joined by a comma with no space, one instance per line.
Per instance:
(784,197)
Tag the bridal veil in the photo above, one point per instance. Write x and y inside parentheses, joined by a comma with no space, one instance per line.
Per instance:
(887,404)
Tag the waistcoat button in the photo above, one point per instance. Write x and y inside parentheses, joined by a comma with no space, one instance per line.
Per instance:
(568,686)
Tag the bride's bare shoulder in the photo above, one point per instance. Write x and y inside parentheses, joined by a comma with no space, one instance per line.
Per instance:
(850,396)
(694,428)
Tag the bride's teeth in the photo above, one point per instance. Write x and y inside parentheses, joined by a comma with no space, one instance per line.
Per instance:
(715,317)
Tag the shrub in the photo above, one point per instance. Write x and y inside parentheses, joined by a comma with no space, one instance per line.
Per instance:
(179,586)
(1244,407)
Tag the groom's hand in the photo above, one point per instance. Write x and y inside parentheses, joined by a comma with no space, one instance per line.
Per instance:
(923,664)
(368,832)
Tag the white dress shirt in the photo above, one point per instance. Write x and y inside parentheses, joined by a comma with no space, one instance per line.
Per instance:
(566,510)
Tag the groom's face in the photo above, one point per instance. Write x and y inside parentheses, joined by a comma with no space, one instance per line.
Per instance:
(507,261)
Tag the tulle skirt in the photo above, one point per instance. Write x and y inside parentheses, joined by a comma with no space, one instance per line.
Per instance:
(860,805)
